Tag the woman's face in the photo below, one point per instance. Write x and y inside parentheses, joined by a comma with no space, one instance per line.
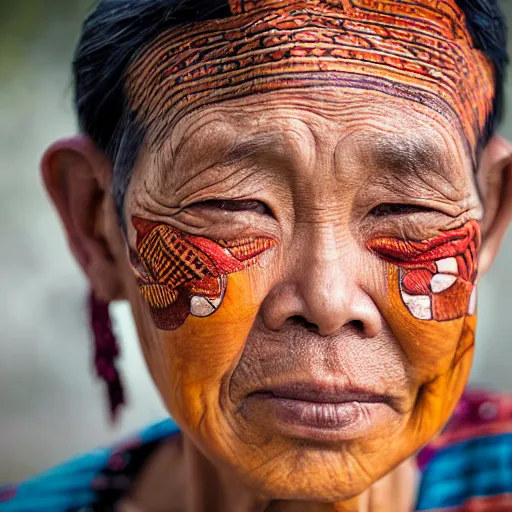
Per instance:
(302,231)
(306,282)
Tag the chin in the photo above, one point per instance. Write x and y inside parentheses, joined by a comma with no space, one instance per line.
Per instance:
(310,477)
(284,469)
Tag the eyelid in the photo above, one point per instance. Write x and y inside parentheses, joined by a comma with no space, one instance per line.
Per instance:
(389,209)
(235,205)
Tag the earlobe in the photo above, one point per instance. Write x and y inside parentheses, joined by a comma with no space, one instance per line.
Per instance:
(495,183)
(77,177)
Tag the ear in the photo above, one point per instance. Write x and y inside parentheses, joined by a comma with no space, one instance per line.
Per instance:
(77,175)
(494,180)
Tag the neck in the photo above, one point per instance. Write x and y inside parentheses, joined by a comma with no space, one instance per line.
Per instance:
(179,474)
(209,488)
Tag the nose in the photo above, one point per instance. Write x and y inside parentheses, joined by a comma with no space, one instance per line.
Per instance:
(324,291)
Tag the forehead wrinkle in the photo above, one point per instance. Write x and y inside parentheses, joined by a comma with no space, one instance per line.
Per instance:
(410,42)
(232,135)
(327,102)
(403,157)
(174,153)
(420,169)
(243,148)
(284,113)
(193,161)
(229,148)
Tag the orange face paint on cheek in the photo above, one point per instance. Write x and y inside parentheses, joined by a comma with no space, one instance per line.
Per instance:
(181,275)
(431,310)
(203,302)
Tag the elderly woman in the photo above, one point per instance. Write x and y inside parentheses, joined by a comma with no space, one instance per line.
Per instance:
(294,196)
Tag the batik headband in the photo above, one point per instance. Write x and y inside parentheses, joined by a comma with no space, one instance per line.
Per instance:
(419,50)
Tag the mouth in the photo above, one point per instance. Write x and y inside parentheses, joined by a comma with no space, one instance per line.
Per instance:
(318,411)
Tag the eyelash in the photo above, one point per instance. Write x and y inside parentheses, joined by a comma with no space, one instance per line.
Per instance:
(236,206)
(381,210)
(386,209)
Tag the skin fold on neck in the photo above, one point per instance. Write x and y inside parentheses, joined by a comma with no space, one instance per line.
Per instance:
(179,478)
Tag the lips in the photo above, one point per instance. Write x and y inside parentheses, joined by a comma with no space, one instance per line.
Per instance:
(322,393)
(319,411)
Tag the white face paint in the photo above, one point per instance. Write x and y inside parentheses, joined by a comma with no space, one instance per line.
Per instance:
(202,306)
(441,282)
(447,266)
(420,306)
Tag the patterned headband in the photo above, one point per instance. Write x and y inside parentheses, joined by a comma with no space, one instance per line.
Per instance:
(419,50)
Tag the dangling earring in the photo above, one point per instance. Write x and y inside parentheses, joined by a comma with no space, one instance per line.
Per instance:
(106,351)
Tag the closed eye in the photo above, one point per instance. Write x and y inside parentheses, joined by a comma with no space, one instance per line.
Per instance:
(388,209)
(235,206)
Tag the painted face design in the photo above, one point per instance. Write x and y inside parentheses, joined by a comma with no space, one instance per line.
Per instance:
(420,51)
(180,274)
(210,310)
(436,276)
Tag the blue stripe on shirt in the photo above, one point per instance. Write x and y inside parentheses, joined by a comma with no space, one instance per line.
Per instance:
(478,467)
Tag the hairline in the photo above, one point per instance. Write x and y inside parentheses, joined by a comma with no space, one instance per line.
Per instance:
(130,135)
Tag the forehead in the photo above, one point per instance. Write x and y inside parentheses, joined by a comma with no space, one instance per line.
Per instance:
(419,51)
(330,112)
(329,143)
(351,126)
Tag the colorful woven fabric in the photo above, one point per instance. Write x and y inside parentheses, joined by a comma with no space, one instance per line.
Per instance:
(92,482)
(468,468)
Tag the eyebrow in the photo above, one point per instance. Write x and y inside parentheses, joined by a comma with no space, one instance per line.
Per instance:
(244,148)
(407,154)
(398,153)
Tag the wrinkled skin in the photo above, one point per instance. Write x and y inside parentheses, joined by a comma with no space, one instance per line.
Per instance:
(320,306)
(315,172)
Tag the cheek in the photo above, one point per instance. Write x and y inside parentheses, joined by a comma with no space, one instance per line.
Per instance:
(431,298)
(196,360)
(439,356)
(432,347)
(430,307)
(202,302)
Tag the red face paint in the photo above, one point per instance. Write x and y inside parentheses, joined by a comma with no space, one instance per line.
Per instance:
(420,51)
(180,274)
(437,276)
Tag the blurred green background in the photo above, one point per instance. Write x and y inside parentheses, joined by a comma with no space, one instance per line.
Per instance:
(50,405)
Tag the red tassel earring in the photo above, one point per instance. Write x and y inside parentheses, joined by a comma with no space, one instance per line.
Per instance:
(106,351)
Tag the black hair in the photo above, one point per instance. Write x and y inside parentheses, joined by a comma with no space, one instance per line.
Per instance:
(118,29)
(487,27)
(111,37)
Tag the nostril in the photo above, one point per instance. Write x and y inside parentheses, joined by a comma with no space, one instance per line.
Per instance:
(301,321)
(357,325)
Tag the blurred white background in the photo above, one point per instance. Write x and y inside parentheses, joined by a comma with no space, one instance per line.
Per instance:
(51,406)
